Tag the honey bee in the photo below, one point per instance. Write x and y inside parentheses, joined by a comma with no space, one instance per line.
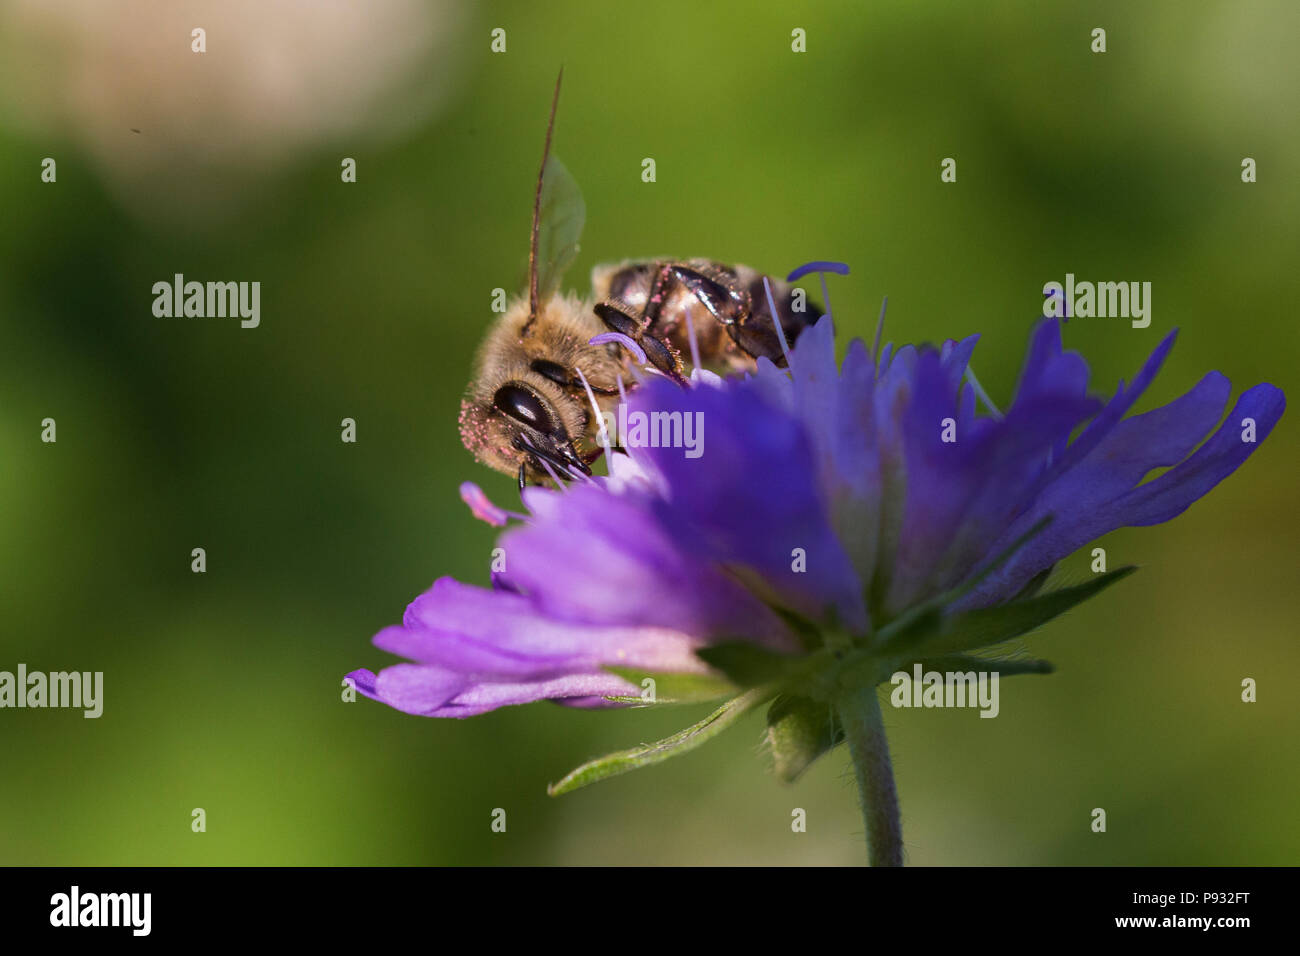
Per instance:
(528,410)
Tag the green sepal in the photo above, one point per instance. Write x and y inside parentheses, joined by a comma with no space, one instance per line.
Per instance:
(1034,584)
(969,630)
(925,617)
(911,626)
(799,730)
(748,664)
(1006,667)
(808,632)
(684,741)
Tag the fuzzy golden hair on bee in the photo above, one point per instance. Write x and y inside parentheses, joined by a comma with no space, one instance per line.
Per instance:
(540,358)
(553,365)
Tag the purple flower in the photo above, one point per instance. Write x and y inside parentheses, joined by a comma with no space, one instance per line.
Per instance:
(831,526)
(830,500)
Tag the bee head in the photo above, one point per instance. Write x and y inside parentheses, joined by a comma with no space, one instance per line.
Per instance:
(522,427)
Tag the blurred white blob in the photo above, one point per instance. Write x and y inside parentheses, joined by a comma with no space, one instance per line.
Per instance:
(278,77)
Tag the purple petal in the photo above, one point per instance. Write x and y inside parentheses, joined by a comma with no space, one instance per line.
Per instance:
(1097,496)
(854,485)
(580,690)
(609,560)
(475,631)
(1115,409)
(415,689)
(1016,454)
(1048,369)
(752,498)
(955,357)
(1173,492)
(364,681)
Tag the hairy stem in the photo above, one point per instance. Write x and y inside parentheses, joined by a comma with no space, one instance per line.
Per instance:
(859,713)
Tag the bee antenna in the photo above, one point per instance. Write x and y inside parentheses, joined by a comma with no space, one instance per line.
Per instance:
(537,209)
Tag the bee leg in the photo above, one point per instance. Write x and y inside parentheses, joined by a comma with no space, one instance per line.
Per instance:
(726,303)
(758,342)
(523,478)
(618,320)
(662,357)
(659,353)
(556,372)
(561,376)
(744,313)
(731,304)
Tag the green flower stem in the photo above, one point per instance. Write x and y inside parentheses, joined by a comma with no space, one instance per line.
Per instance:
(859,713)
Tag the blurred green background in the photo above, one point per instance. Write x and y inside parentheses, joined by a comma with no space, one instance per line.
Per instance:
(223,689)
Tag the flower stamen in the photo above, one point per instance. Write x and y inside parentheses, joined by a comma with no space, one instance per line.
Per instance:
(626,341)
(554,477)
(482,507)
(821,267)
(880,330)
(690,332)
(981,394)
(776,321)
(603,433)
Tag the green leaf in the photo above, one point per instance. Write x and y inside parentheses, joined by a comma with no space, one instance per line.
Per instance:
(973,629)
(672,688)
(679,743)
(925,617)
(748,664)
(912,626)
(799,730)
(563,214)
(1034,584)
(1006,667)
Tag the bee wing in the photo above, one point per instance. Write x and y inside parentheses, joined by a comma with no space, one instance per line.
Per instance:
(563,214)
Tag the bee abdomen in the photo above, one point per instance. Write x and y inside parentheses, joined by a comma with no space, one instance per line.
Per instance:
(757,336)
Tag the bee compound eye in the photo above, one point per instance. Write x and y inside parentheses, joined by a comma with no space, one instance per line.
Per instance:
(556,372)
(523,406)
